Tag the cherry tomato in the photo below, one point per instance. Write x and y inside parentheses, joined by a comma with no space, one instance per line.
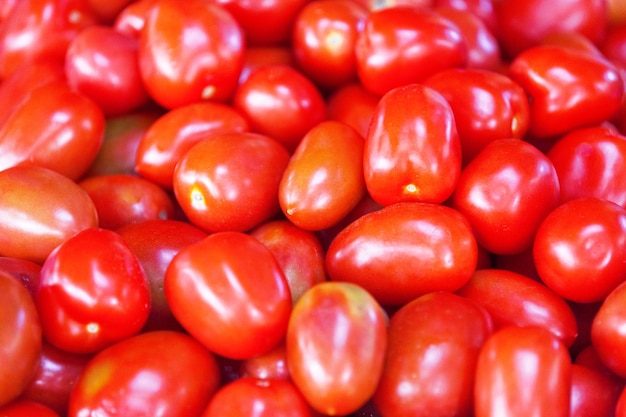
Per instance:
(161,373)
(434,342)
(412,148)
(93,292)
(27,409)
(271,365)
(132,18)
(592,393)
(229,292)
(606,331)
(336,343)
(404,251)
(353,105)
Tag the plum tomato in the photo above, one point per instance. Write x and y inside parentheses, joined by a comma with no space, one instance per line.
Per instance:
(336,344)
(93,292)
(607,336)
(22,408)
(592,393)
(412,148)
(160,373)
(403,251)
(25,271)
(229,292)
(353,105)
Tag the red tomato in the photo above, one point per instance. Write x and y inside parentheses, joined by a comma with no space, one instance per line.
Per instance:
(505,192)
(20,338)
(229,292)
(160,373)
(580,247)
(93,292)
(271,365)
(614,46)
(573,40)
(592,393)
(484,9)
(22,408)
(259,56)
(107,10)
(353,105)
(434,342)
(230,181)
(404,45)
(412,148)
(38,196)
(280,102)
(336,344)
(319,188)
(404,251)
(522,371)
(131,19)
(26,272)
(607,334)
(190,51)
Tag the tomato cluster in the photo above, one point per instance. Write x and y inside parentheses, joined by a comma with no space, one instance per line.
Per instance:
(309,208)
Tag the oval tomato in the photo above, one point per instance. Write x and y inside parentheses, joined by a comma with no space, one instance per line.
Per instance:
(607,336)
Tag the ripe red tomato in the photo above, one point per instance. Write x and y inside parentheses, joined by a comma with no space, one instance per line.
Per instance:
(592,393)
(93,292)
(259,56)
(336,344)
(412,148)
(607,335)
(353,105)
(26,272)
(132,18)
(229,292)
(271,365)
(23,408)
(403,251)
(484,9)
(107,10)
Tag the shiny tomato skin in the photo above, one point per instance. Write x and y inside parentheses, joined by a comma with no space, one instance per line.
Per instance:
(93,292)
(514,299)
(131,19)
(547,74)
(26,272)
(107,10)
(592,393)
(161,373)
(34,195)
(230,181)
(404,251)
(329,328)
(22,408)
(434,342)
(271,365)
(319,188)
(175,132)
(259,56)
(189,52)
(579,249)
(412,148)
(20,338)
(229,292)
(404,45)
(522,371)
(606,331)
(353,105)
(483,9)
(505,192)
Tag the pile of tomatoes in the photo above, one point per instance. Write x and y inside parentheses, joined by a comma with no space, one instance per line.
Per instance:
(299,208)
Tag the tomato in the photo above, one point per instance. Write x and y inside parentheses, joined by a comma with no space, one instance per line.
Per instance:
(547,74)
(434,342)
(40,209)
(404,251)
(101,63)
(606,331)
(258,56)
(175,132)
(485,10)
(592,393)
(26,272)
(336,343)
(20,338)
(281,102)
(189,52)
(93,292)
(403,45)
(162,373)
(229,292)
(412,148)
(107,10)
(271,365)
(522,371)
(216,187)
(132,18)
(580,247)
(573,40)
(27,409)
(319,188)
(353,105)
(513,299)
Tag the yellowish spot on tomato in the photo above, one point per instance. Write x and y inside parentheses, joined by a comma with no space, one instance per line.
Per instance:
(93,328)
(97,377)
(410,189)
(208,92)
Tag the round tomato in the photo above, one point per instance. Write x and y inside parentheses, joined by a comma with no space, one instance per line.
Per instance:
(593,394)
(607,335)
(353,105)
(23,408)
(271,365)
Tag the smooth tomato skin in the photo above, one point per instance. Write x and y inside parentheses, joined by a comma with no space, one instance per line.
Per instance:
(412,148)
(484,9)
(606,334)
(397,253)
(102,64)
(259,56)
(20,338)
(353,105)
(434,342)
(514,299)
(271,365)
(329,328)
(404,45)
(22,408)
(547,73)
(216,187)
(229,292)
(319,188)
(253,397)
(281,102)
(592,393)
(160,373)
(522,371)
(591,162)
(487,106)
(93,292)
(26,272)
(178,69)
(107,10)
(131,19)
(175,132)
(38,196)
(579,249)
(505,192)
